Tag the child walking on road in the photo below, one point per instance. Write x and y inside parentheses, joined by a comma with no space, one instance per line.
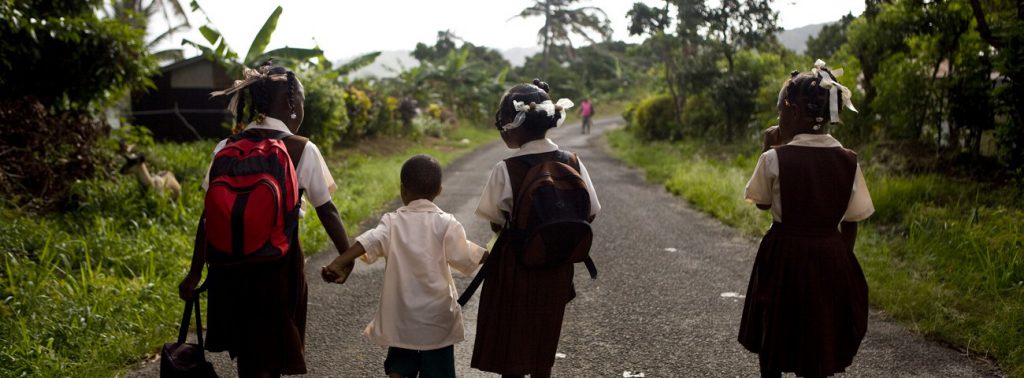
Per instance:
(418,318)
(521,307)
(248,232)
(806,307)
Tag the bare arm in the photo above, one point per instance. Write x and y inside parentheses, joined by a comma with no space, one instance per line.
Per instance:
(331,220)
(339,269)
(187,287)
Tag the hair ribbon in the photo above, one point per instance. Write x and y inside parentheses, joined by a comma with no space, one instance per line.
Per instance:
(250,76)
(550,108)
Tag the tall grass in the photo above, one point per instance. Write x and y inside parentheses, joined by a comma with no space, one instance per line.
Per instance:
(90,290)
(945,256)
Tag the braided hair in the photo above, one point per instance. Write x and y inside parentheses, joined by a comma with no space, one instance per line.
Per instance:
(536,119)
(803,95)
(262,94)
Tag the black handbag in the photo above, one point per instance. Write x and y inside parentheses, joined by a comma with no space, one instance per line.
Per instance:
(181,359)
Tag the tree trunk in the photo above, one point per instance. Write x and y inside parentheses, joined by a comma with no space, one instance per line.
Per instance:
(547,38)
(671,79)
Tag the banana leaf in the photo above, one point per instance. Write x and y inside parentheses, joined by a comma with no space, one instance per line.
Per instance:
(259,44)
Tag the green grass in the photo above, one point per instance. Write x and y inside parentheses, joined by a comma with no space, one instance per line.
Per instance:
(945,256)
(91,290)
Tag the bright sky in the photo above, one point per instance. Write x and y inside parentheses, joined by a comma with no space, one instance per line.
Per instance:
(346,28)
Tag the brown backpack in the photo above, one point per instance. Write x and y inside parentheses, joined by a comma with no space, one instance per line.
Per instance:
(550,212)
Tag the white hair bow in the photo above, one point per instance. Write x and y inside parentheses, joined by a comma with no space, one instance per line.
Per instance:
(547,106)
(834,90)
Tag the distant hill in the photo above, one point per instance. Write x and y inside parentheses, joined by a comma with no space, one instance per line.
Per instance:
(796,39)
(391,62)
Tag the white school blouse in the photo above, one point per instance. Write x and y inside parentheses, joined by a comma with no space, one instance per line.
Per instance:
(763,187)
(418,303)
(497,194)
(314,177)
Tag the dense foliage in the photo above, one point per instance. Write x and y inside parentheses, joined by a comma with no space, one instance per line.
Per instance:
(40,37)
(938,76)
(48,108)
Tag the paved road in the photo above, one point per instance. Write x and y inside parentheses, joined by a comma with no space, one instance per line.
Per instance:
(659,308)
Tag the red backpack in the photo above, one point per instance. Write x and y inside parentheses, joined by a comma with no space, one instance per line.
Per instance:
(252,202)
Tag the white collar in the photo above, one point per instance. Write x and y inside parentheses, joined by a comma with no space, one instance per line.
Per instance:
(814,140)
(420,205)
(537,146)
(270,123)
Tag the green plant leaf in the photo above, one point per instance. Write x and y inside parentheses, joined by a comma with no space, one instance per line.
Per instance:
(207,52)
(287,54)
(357,63)
(170,54)
(211,35)
(263,37)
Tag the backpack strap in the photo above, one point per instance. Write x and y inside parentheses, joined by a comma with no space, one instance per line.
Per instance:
(518,166)
(295,144)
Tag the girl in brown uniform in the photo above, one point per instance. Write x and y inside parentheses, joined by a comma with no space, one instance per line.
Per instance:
(521,309)
(806,306)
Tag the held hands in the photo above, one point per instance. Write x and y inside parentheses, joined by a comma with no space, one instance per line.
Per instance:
(337,271)
(187,287)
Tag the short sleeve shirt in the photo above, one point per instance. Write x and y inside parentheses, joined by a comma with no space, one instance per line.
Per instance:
(497,194)
(764,189)
(418,306)
(314,177)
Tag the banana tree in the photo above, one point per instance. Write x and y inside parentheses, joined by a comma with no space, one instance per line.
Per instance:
(461,82)
(219,51)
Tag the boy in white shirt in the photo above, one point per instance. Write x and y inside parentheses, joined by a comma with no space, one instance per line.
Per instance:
(418,318)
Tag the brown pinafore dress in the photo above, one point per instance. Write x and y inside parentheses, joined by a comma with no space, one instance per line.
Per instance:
(521,309)
(806,307)
(257,312)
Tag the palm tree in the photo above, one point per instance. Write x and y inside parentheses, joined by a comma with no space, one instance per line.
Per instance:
(138,13)
(561,21)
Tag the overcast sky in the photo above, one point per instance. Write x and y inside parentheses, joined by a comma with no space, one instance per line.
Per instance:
(345,28)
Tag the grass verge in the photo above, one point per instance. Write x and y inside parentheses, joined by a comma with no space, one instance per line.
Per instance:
(944,256)
(91,289)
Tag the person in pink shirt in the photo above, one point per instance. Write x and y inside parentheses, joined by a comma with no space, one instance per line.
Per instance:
(587,112)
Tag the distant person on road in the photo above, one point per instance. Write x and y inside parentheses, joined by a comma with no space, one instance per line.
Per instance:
(418,318)
(587,113)
(806,306)
(257,305)
(521,307)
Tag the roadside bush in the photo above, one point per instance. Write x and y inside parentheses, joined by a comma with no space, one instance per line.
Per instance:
(628,112)
(326,118)
(699,115)
(386,119)
(653,118)
(360,112)
(427,126)
(44,154)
